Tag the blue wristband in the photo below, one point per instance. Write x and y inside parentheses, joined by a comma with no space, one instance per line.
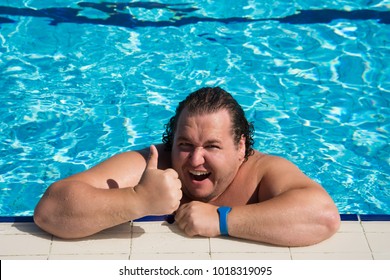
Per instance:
(223,212)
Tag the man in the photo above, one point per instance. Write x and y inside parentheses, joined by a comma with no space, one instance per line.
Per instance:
(207,173)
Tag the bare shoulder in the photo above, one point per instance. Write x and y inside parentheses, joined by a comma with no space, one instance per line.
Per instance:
(270,165)
(277,175)
(264,165)
(273,163)
(261,164)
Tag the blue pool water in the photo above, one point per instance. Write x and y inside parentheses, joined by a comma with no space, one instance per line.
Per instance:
(83,80)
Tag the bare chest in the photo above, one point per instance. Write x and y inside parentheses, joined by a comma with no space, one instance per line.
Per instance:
(243,190)
(245,187)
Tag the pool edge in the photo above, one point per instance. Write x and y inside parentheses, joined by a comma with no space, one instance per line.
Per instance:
(343,217)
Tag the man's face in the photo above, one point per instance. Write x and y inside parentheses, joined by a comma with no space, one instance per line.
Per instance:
(204,154)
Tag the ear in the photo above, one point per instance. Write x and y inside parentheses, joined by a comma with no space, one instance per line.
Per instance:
(242,147)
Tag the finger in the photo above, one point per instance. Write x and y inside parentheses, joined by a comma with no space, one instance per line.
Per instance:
(180,196)
(178,215)
(153,158)
(172,172)
(180,212)
(180,222)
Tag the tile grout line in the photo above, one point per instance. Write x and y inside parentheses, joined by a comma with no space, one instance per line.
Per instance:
(50,247)
(131,240)
(365,237)
(291,255)
(210,253)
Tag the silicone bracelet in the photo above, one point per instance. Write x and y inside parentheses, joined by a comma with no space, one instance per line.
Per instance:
(223,212)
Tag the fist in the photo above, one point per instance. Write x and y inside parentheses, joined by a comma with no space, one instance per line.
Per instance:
(159,190)
(198,218)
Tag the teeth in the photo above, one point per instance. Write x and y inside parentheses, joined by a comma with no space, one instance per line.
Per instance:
(198,173)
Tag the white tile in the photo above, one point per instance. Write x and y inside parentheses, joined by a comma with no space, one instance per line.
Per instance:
(376,226)
(332,256)
(170,256)
(379,241)
(235,245)
(25,257)
(20,228)
(343,242)
(251,256)
(350,226)
(153,227)
(381,256)
(96,244)
(13,245)
(162,241)
(168,243)
(90,257)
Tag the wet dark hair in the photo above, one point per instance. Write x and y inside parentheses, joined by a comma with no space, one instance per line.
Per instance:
(210,100)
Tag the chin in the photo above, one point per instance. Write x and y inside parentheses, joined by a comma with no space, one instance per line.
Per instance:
(201,191)
(199,196)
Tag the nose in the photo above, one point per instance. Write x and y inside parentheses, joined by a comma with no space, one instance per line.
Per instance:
(197,157)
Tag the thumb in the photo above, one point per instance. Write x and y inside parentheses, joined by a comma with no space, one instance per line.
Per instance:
(153,158)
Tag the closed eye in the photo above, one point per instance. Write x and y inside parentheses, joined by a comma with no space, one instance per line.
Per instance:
(185,146)
(212,147)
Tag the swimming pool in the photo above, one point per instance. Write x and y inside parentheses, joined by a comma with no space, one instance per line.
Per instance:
(83,81)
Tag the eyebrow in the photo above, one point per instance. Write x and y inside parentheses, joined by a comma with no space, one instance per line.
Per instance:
(214,141)
(208,142)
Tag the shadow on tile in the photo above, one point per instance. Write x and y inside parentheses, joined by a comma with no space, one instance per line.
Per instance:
(27,228)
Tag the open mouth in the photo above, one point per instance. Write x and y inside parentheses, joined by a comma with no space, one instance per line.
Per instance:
(199,175)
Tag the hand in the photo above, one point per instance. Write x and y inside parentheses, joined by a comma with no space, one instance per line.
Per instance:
(158,190)
(198,218)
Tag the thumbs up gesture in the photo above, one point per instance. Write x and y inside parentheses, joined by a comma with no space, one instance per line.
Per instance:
(159,190)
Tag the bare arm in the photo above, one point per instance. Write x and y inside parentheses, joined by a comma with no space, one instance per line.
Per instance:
(293,211)
(73,209)
(123,188)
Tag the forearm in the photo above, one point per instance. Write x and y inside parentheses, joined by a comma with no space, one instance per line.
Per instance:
(291,219)
(72,209)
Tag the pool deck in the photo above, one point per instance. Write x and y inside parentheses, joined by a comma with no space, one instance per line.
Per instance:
(158,240)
